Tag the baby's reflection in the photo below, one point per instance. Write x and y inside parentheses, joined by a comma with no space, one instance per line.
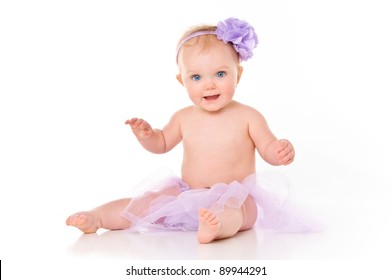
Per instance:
(164,245)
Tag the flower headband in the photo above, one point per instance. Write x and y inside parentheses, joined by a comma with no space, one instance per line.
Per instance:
(232,30)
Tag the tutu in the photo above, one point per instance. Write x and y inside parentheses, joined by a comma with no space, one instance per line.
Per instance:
(170,204)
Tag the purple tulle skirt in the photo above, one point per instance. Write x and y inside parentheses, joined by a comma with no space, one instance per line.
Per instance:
(170,204)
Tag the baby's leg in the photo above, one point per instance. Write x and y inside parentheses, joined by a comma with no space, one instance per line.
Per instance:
(249,211)
(107,216)
(226,223)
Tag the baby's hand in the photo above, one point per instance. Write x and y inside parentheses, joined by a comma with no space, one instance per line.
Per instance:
(140,128)
(284,152)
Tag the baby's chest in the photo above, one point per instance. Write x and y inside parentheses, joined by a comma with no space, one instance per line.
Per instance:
(225,135)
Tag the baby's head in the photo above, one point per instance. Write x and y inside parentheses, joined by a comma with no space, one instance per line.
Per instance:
(209,59)
(201,37)
(234,32)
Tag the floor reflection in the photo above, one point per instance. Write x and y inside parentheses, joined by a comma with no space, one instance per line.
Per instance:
(165,245)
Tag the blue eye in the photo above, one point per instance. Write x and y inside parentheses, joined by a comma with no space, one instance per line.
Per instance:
(196,77)
(221,74)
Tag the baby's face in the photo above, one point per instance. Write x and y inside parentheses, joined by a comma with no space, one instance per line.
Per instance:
(210,75)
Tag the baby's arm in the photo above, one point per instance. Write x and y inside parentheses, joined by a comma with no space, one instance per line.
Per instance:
(156,140)
(272,150)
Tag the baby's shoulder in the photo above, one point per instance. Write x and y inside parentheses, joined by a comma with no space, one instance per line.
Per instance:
(181,113)
(246,110)
(250,115)
(184,111)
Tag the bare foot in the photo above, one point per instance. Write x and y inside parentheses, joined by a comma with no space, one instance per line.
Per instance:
(223,225)
(85,221)
(209,226)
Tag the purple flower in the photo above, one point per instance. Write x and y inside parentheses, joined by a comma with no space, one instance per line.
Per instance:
(240,34)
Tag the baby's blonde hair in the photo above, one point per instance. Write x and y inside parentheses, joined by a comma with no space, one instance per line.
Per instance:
(206,40)
(194,30)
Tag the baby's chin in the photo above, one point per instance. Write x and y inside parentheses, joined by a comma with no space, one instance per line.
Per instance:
(216,103)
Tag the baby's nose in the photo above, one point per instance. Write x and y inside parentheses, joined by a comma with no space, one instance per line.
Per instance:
(210,84)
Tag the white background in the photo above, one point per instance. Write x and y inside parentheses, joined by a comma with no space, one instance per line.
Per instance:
(71,73)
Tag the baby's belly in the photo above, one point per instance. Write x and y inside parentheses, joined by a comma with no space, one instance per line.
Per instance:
(199,176)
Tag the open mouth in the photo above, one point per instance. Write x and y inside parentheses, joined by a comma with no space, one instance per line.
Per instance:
(212,97)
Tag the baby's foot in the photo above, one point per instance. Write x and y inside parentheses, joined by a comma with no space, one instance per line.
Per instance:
(85,221)
(209,226)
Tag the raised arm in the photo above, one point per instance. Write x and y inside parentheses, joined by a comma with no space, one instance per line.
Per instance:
(272,150)
(156,140)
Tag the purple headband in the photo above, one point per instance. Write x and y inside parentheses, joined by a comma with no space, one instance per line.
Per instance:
(238,32)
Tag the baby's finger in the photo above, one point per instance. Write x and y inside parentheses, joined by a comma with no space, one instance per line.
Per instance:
(131,121)
(285,150)
(283,144)
(143,125)
(137,123)
(281,154)
(287,158)
(280,146)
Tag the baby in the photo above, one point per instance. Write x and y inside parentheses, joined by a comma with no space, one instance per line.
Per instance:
(217,194)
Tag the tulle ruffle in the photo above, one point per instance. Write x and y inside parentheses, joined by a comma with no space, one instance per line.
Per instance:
(170,204)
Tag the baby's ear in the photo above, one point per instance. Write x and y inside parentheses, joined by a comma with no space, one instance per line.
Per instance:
(179,78)
(240,69)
